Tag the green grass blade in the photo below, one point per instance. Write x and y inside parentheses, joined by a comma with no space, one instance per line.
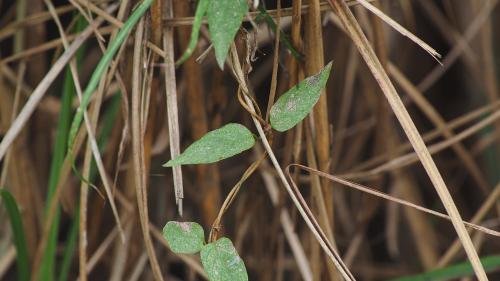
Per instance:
(47,266)
(201,10)
(283,37)
(108,122)
(69,247)
(102,66)
(23,270)
(464,269)
(109,118)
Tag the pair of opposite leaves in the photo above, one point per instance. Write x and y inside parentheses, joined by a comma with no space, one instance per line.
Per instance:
(220,259)
(232,139)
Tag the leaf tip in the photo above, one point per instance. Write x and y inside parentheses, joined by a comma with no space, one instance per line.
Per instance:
(328,68)
(170,163)
(221,61)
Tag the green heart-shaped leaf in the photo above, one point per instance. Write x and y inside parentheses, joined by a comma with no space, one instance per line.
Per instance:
(224,20)
(222,262)
(293,106)
(216,145)
(184,237)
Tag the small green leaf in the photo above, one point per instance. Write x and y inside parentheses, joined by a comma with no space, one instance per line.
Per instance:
(201,10)
(222,262)
(216,145)
(293,106)
(184,237)
(224,20)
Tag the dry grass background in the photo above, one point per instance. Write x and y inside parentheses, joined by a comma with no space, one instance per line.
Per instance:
(145,110)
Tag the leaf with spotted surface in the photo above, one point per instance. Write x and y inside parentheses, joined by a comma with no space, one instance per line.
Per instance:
(293,106)
(222,263)
(224,20)
(216,145)
(184,237)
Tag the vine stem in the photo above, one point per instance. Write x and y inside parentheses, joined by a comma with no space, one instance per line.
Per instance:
(295,195)
(231,196)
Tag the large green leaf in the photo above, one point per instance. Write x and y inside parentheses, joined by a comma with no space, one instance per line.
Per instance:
(184,237)
(224,20)
(222,262)
(216,145)
(293,106)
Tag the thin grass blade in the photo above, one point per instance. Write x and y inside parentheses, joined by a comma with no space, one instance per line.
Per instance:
(23,269)
(459,270)
(102,66)
(64,120)
(264,15)
(201,10)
